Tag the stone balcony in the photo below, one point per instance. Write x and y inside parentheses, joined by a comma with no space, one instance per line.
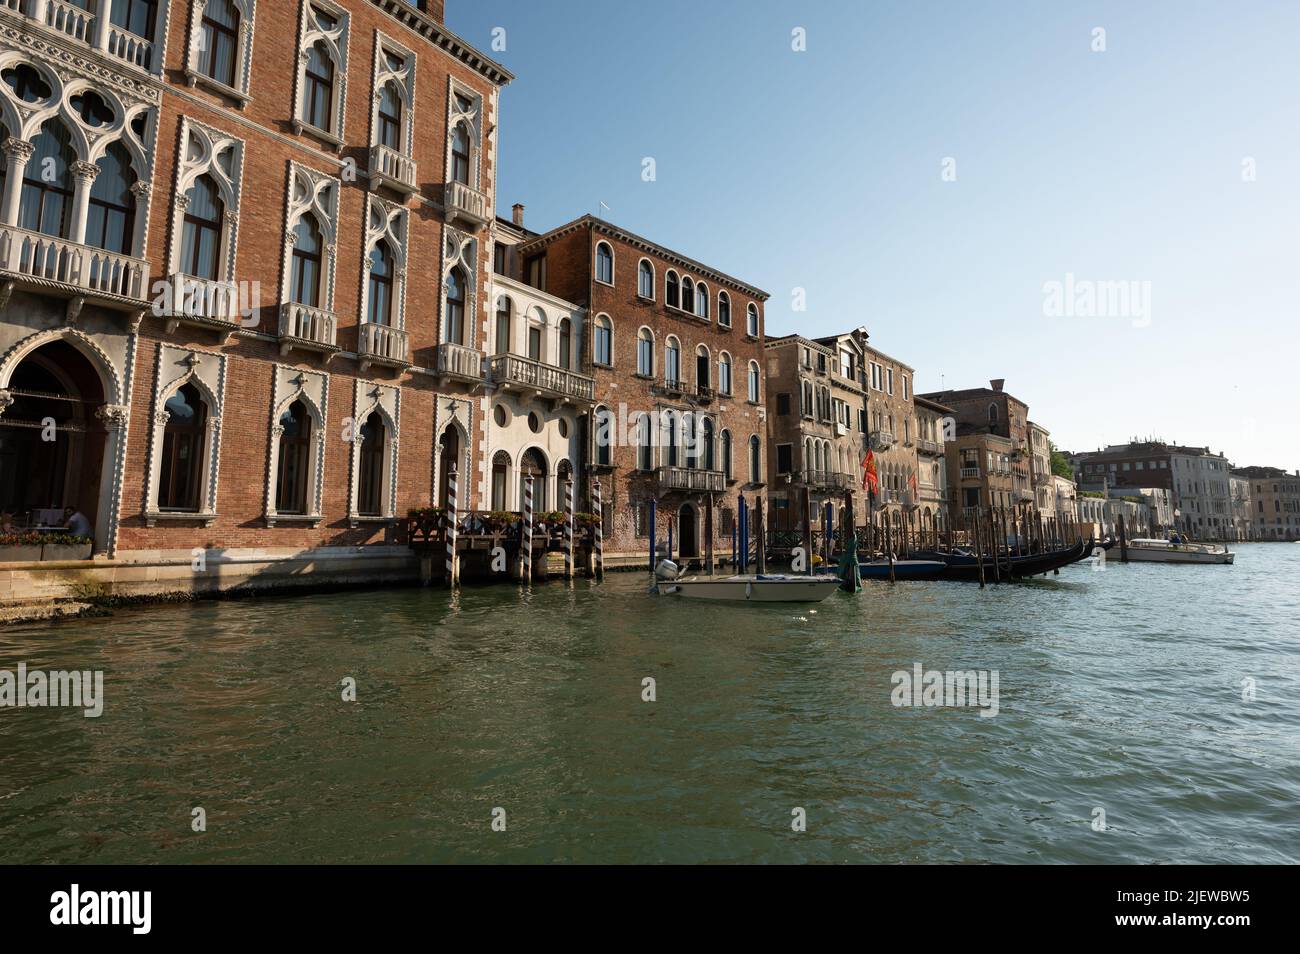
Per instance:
(970,473)
(307,328)
(466,204)
(823,479)
(86,26)
(455,362)
(691,480)
(382,345)
(78,272)
(882,439)
(390,168)
(512,372)
(202,303)
(932,448)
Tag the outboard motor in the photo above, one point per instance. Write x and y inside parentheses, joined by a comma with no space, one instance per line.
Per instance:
(666,570)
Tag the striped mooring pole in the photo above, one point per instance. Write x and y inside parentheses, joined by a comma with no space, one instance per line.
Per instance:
(453,567)
(568,529)
(528,528)
(600,527)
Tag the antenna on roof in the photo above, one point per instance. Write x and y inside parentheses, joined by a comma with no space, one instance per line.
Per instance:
(605,208)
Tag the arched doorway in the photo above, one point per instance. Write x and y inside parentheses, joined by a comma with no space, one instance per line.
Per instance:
(533,464)
(687,524)
(53,441)
(449,455)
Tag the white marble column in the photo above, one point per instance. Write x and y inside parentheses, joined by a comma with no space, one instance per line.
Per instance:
(18,152)
(83,174)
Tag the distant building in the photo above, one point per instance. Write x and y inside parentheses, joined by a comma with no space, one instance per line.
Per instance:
(892,430)
(816,430)
(1274,502)
(932,469)
(988,461)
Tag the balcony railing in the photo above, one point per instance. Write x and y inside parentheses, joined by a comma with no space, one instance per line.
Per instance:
(130,48)
(389,167)
(512,370)
(927,446)
(704,392)
(302,326)
(462,202)
(71,20)
(970,473)
(201,301)
(82,268)
(674,386)
(824,479)
(382,344)
(457,361)
(881,438)
(690,479)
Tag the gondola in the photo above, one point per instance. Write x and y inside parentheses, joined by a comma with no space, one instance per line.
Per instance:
(966,567)
(904,570)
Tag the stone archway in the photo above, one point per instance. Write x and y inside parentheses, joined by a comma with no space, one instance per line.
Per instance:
(688,530)
(59,437)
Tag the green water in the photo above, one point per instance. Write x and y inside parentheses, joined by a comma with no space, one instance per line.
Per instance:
(1119,690)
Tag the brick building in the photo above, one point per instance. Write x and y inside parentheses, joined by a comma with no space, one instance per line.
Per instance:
(674,348)
(1273,501)
(892,430)
(988,461)
(816,431)
(253,292)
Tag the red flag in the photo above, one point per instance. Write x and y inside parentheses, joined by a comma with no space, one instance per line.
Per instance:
(870,479)
(911,482)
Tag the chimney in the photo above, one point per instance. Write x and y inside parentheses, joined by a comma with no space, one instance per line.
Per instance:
(518,216)
(997,383)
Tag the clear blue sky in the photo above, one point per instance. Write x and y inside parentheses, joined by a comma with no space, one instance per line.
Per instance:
(821,170)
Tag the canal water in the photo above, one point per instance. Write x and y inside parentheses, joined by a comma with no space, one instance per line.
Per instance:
(1126,691)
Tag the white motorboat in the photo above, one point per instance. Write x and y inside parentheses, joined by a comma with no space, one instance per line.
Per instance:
(1163,551)
(751,587)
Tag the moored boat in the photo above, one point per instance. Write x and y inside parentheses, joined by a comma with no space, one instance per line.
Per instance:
(904,570)
(754,587)
(1165,551)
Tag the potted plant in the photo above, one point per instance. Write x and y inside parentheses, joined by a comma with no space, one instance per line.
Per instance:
(21,547)
(65,546)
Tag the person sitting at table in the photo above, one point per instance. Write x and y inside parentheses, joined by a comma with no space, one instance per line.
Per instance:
(7,523)
(76,523)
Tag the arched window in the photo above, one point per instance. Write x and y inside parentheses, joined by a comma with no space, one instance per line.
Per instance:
(706,437)
(110,222)
(184,441)
(726,454)
(644,444)
(669,424)
(504,306)
(533,464)
(536,333)
(46,203)
(724,309)
(645,280)
(809,457)
(218,51)
(604,263)
(308,246)
(702,367)
(294,463)
(702,301)
(379,305)
(318,99)
(724,373)
(751,320)
(390,117)
(753,382)
(645,353)
(500,479)
(806,399)
(566,343)
(201,235)
(672,290)
(603,343)
(460,154)
(755,461)
(370,481)
(688,295)
(604,437)
(993,415)
(456,306)
(673,361)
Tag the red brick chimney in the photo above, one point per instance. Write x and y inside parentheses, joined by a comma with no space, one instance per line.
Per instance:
(997,383)
(519,215)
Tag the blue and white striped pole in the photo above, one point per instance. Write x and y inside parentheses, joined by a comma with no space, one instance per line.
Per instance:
(654,516)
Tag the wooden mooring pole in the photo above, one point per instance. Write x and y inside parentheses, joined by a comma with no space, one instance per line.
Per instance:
(568,529)
(600,529)
(452,518)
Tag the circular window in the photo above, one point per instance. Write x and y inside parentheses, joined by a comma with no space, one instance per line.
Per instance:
(499,415)
(564,428)
(534,422)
